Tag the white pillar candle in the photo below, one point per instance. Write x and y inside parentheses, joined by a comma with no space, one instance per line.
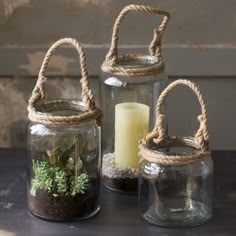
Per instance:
(131,125)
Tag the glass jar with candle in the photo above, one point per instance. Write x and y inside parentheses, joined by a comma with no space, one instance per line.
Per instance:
(63,166)
(176,173)
(129,85)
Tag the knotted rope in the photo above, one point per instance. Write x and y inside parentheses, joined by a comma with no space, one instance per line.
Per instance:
(158,136)
(112,58)
(38,95)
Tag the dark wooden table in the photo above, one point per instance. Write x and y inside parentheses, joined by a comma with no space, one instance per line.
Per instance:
(118,214)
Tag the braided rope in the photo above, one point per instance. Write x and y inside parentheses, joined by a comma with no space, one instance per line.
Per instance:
(164,159)
(158,135)
(38,94)
(154,47)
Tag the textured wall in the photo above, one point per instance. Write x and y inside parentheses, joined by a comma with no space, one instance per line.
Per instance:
(220,97)
(41,21)
(183,108)
(200,44)
(14,95)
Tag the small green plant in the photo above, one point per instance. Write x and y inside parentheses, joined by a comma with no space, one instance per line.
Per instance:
(79,184)
(59,174)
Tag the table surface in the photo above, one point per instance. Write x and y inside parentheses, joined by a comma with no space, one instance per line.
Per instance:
(118,214)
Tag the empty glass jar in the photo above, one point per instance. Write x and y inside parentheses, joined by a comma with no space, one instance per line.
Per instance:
(176,173)
(176,196)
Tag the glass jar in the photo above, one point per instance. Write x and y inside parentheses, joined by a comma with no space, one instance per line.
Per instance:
(129,85)
(64,147)
(63,167)
(176,196)
(176,173)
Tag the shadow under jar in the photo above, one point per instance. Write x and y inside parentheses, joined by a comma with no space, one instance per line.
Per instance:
(63,166)
(176,196)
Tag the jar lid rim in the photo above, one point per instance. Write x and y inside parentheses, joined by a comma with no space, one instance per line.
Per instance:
(144,60)
(179,141)
(41,117)
(139,65)
(148,152)
(54,105)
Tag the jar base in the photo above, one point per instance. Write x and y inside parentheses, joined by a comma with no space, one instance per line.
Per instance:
(63,208)
(95,212)
(125,185)
(169,213)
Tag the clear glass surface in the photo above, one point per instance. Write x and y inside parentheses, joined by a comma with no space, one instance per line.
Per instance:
(138,90)
(176,196)
(117,89)
(63,169)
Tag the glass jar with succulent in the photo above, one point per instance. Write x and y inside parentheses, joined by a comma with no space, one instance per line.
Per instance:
(63,150)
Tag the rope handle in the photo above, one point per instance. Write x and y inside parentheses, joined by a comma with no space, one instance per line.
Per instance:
(155,45)
(158,134)
(38,93)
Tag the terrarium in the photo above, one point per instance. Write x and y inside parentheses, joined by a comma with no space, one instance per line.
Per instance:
(176,173)
(129,85)
(63,167)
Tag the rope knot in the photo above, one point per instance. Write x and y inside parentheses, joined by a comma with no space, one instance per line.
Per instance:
(161,133)
(155,45)
(201,136)
(99,117)
(157,135)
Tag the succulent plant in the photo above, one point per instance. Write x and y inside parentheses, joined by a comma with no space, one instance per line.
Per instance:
(79,184)
(59,173)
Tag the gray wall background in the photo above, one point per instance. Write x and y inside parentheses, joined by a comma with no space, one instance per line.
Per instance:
(199,44)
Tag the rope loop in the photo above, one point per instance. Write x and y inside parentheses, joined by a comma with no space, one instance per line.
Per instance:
(38,94)
(158,136)
(112,57)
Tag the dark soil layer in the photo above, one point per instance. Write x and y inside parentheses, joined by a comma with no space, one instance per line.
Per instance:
(126,185)
(63,208)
